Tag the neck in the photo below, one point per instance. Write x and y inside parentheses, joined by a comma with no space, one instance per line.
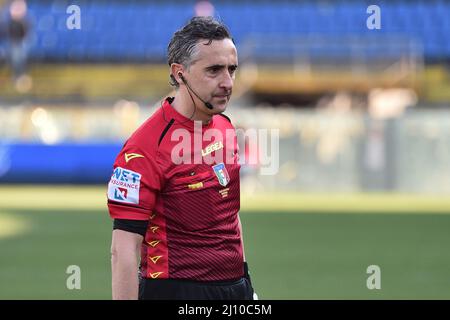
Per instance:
(184,105)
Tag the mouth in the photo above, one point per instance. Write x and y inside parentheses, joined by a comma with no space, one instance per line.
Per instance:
(222,96)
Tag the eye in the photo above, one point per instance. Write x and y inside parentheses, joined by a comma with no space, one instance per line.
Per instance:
(232,70)
(214,69)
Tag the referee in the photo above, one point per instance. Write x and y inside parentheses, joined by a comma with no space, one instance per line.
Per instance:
(175,203)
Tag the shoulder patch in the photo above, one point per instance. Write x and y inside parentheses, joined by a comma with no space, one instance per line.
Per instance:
(124,186)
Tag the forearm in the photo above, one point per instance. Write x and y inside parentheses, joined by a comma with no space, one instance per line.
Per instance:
(124,276)
(124,264)
(246,273)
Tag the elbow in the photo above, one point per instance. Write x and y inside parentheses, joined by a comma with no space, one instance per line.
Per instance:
(125,244)
(114,254)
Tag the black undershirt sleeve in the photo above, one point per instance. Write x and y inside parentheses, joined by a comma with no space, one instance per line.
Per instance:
(135,226)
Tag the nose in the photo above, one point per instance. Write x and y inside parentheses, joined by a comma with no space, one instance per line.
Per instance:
(226,82)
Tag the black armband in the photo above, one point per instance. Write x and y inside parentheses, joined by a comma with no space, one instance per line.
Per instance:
(135,226)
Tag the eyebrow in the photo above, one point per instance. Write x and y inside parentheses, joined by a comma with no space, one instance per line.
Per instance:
(220,66)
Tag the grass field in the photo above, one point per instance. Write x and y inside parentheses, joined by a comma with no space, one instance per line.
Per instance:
(299,246)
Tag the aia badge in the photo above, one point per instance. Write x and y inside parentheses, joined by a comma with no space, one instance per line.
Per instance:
(222,174)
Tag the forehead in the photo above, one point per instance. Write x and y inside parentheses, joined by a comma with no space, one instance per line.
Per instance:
(221,52)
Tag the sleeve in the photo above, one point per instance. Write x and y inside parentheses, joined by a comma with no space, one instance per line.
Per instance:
(134,184)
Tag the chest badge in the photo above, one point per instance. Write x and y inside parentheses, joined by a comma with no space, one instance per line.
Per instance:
(222,174)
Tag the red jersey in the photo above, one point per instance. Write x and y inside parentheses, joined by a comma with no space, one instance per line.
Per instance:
(190,196)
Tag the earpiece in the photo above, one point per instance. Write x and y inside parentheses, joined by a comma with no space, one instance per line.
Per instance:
(206,103)
(181,77)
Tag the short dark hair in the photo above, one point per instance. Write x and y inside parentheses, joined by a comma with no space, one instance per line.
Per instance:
(183,43)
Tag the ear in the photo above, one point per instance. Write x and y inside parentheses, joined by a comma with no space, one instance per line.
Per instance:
(175,70)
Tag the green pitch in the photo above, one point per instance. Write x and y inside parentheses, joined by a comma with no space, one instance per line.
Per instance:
(298,246)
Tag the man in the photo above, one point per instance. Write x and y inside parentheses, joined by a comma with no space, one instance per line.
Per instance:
(178,206)
(17,32)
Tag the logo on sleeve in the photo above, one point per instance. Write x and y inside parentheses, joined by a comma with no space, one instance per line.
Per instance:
(131,156)
(120,194)
(124,186)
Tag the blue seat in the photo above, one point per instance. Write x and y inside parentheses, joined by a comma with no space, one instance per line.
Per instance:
(141,30)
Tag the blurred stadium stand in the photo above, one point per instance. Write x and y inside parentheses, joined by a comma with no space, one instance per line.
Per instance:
(96,84)
(309,47)
(138,30)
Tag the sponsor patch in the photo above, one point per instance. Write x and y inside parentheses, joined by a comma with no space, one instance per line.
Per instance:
(124,186)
